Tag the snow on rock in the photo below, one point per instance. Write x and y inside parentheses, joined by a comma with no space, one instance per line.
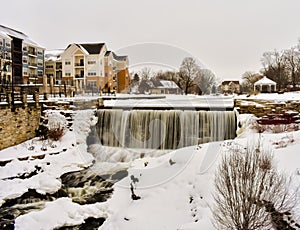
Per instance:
(64,156)
(61,212)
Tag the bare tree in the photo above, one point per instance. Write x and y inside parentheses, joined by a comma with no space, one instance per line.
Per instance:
(167,75)
(251,194)
(248,80)
(205,80)
(292,59)
(189,70)
(145,73)
(275,67)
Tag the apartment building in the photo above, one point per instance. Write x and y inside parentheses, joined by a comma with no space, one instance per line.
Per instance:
(22,59)
(116,72)
(53,65)
(91,67)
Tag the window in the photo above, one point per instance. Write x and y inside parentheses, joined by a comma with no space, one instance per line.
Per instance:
(68,74)
(92,83)
(92,73)
(25,48)
(40,52)
(25,72)
(49,66)
(67,62)
(40,73)
(7,44)
(91,62)
(1,43)
(25,61)
(40,63)
(7,56)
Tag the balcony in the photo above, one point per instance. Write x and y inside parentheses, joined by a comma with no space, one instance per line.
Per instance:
(32,75)
(32,53)
(79,76)
(79,65)
(7,58)
(32,65)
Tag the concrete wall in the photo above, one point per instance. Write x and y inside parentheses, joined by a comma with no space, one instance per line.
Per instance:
(19,124)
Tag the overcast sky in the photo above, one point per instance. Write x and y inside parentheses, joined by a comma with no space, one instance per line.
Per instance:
(227,36)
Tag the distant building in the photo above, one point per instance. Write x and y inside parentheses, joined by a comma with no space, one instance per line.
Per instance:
(265,85)
(91,67)
(22,59)
(155,86)
(116,71)
(230,87)
(53,65)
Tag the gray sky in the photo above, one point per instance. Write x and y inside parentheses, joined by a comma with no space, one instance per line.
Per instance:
(227,36)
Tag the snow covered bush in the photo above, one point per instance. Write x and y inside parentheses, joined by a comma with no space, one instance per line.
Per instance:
(53,126)
(55,119)
(55,134)
(251,193)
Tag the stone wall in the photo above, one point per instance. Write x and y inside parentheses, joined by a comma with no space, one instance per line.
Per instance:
(264,107)
(18,123)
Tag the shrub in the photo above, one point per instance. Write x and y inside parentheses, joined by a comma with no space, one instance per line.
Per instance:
(55,133)
(251,193)
(42,132)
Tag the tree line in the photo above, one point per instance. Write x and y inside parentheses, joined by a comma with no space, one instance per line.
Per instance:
(283,67)
(190,78)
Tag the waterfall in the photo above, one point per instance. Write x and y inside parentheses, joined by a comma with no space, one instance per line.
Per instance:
(163,129)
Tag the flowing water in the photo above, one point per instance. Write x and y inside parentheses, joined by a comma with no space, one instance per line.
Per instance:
(159,129)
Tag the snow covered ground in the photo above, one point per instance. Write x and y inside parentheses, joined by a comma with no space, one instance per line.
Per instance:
(174,188)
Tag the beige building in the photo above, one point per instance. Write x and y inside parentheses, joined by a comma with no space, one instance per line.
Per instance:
(230,87)
(91,68)
(116,72)
(53,65)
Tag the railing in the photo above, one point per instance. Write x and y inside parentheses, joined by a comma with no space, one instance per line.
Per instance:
(18,97)
(79,64)
(33,64)
(32,75)
(32,52)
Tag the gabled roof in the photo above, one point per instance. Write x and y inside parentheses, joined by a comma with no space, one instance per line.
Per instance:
(53,55)
(156,83)
(93,48)
(228,82)
(115,56)
(169,84)
(89,48)
(265,81)
(119,58)
(17,34)
(108,52)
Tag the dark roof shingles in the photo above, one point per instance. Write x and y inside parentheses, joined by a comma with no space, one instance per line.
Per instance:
(93,48)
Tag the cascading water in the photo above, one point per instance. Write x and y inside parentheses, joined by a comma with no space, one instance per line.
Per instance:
(163,129)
